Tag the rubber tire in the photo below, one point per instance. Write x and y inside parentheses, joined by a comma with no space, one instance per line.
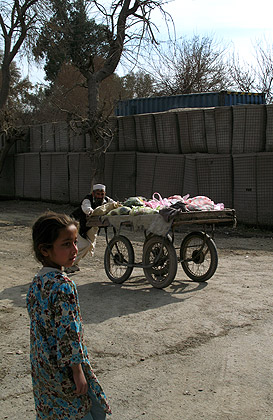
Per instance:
(108,258)
(191,273)
(168,272)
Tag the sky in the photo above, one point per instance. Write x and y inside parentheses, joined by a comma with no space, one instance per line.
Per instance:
(236,23)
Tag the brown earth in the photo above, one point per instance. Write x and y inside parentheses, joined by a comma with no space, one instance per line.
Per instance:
(190,351)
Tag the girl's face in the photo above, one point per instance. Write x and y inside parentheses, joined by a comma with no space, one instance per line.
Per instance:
(64,250)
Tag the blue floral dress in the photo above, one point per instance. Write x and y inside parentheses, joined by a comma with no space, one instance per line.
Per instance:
(56,342)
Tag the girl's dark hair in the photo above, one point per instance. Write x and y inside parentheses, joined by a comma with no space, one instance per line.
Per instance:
(46,230)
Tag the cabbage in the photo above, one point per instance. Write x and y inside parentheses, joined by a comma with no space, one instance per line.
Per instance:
(124,210)
(119,211)
(134,201)
(113,212)
(142,210)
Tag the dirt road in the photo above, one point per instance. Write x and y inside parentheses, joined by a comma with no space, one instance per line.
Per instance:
(190,351)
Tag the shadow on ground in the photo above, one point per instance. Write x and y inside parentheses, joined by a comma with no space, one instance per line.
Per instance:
(133,296)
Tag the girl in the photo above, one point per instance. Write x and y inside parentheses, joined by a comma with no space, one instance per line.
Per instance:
(64,384)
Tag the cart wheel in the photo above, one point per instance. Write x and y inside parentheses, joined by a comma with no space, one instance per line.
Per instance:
(163,272)
(198,256)
(118,254)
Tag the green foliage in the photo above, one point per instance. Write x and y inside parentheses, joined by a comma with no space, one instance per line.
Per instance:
(71,36)
(137,85)
(20,96)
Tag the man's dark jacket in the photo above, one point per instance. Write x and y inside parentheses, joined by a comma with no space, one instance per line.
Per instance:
(79,215)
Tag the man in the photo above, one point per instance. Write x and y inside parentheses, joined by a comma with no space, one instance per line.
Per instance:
(87,236)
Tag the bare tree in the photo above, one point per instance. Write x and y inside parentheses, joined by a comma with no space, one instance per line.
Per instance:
(256,75)
(264,69)
(129,24)
(191,65)
(242,75)
(94,41)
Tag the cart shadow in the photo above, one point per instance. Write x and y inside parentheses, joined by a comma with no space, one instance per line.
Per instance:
(105,300)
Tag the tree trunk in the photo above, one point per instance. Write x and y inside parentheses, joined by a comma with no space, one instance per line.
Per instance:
(96,139)
(93,96)
(4,151)
(5,84)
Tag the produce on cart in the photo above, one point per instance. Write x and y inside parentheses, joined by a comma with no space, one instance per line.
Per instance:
(158,218)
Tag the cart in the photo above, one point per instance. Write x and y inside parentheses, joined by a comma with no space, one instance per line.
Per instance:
(197,252)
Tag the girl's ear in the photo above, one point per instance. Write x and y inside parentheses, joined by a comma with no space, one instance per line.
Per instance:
(43,250)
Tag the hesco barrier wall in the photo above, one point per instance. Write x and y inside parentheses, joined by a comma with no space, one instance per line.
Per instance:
(225,153)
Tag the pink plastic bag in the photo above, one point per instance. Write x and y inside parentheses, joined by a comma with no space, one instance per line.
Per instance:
(200,202)
(158,202)
(219,206)
(175,198)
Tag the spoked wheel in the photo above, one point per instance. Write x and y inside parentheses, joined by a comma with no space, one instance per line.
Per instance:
(118,255)
(159,252)
(198,256)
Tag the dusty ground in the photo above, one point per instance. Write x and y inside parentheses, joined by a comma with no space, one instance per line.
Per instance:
(190,351)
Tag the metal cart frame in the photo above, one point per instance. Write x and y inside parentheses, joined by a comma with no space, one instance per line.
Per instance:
(197,253)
